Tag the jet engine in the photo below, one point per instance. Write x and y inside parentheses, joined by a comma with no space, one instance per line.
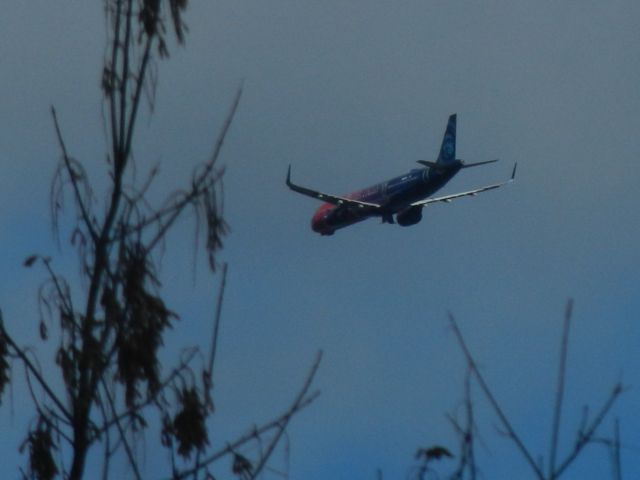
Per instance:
(410,216)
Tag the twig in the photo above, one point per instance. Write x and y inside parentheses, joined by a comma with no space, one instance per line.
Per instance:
(136,99)
(29,365)
(467,457)
(63,295)
(557,413)
(216,324)
(73,177)
(198,183)
(107,444)
(112,78)
(302,400)
(494,403)
(585,437)
(615,452)
(285,421)
(121,432)
(150,399)
(120,156)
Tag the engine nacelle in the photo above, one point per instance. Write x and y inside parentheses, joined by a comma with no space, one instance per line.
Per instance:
(410,216)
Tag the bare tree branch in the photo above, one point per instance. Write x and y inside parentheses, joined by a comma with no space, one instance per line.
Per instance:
(199,185)
(34,371)
(466,433)
(216,323)
(494,403)
(175,373)
(73,176)
(555,429)
(586,436)
(301,401)
(121,432)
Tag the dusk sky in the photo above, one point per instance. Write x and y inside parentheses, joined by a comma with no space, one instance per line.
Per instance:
(351,93)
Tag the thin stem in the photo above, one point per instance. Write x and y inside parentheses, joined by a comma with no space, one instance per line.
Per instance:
(587,436)
(615,453)
(74,180)
(494,403)
(29,365)
(216,324)
(301,401)
(199,183)
(152,398)
(121,432)
(120,156)
(112,74)
(555,429)
(468,435)
(136,98)
(285,421)
(63,294)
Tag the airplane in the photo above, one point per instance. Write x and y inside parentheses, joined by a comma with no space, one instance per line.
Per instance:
(403,197)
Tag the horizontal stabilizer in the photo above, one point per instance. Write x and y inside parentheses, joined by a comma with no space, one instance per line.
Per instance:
(476,164)
(429,164)
(458,163)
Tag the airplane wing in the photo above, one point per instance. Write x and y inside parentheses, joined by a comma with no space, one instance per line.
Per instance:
(325,197)
(470,193)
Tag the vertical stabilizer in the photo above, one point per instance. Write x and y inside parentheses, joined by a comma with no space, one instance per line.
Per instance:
(448,149)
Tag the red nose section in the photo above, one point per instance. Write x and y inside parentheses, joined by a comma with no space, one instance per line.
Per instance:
(319,223)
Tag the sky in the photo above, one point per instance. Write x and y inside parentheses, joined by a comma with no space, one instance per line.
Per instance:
(351,93)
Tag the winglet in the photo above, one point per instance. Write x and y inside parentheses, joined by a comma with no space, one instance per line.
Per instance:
(325,197)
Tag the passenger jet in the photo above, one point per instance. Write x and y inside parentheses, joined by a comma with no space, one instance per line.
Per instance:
(402,197)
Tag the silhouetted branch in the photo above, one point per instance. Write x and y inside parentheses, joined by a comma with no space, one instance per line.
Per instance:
(285,421)
(109,81)
(200,184)
(63,295)
(208,373)
(136,98)
(559,390)
(175,373)
(121,432)
(616,461)
(301,401)
(34,371)
(107,442)
(586,430)
(74,178)
(216,323)
(466,433)
(119,154)
(584,437)
(494,403)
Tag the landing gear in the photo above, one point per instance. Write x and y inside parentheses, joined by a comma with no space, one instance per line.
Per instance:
(388,218)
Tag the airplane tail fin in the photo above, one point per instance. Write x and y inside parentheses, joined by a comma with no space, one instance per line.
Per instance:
(447,153)
(447,156)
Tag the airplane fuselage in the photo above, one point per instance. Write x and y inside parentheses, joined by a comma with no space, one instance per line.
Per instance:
(395,195)
(399,200)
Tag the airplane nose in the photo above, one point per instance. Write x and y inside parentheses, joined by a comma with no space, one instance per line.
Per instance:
(318,224)
(319,221)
